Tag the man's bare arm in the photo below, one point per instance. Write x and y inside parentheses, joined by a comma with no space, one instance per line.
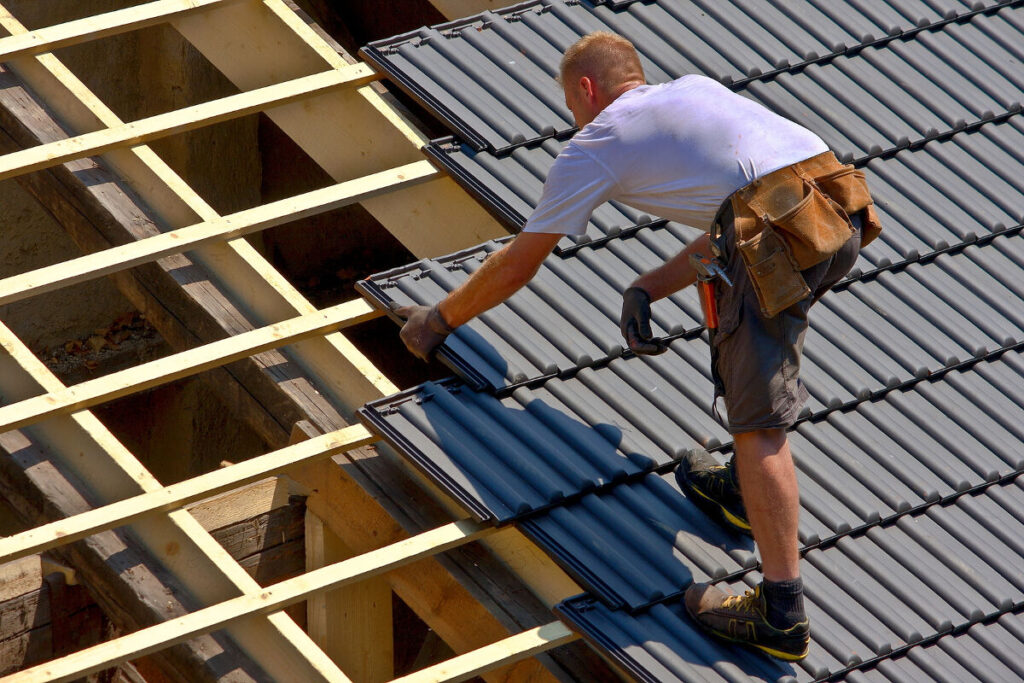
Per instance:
(501,275)
(674,274)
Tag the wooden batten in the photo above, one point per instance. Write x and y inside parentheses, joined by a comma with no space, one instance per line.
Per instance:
(263,601)
(371,517)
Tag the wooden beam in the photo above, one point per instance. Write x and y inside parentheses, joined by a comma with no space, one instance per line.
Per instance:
(182,120)
(116,259)
(512,649)
(242,503)
(177,495)
(99,26)
(185,364)
(467,596)
(265,601)
(352,624)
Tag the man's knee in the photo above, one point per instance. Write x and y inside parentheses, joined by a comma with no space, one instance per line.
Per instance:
(759,442)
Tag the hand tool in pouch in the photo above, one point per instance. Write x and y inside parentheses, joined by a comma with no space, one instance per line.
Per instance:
(708,270)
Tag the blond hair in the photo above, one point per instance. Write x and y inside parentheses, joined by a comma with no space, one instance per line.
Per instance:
(607,58)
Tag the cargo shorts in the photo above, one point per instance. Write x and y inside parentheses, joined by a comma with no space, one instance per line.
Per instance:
(755,361)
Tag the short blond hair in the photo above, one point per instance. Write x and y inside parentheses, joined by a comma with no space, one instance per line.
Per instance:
(607,58)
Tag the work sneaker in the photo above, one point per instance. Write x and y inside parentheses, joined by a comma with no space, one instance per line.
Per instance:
(715,488)
(741,619)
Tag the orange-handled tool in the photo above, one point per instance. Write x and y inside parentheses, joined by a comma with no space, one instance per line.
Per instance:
(708,270)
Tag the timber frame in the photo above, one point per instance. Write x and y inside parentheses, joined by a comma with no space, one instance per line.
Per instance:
(276,359)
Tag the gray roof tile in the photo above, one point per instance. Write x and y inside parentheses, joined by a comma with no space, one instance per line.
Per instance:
(492,77)
(956,189)
(871,598)
(908,455)
(871,335)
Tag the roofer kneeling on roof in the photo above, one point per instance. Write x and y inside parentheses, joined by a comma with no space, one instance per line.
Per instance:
(785,220)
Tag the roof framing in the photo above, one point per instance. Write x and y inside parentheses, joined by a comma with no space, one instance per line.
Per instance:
(285,69)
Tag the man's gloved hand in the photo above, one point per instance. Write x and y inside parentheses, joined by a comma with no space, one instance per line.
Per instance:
(635,323)
(424,329)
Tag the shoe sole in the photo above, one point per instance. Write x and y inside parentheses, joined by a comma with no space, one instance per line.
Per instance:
(732,520)
(772,652)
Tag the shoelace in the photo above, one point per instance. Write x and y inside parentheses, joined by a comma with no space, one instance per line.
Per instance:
(742,603)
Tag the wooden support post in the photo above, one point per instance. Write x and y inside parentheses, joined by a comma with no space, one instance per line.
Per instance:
(352,624)
(484,604)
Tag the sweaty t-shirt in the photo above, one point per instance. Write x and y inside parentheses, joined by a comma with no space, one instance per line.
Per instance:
(674,150)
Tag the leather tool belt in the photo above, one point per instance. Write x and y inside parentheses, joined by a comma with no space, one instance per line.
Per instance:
(794,218)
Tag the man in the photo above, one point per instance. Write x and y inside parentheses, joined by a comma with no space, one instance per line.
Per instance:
(695,152)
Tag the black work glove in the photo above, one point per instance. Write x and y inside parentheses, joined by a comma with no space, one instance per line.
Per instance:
(424,329)
(635,323)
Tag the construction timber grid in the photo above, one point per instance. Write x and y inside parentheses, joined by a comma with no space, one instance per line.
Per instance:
(99,500)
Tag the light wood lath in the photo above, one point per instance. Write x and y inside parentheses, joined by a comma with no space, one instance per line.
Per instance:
(277,358)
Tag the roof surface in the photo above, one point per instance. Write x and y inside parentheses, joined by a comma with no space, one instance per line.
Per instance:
(909,452)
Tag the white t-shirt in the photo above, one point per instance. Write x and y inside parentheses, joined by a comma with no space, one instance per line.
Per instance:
(674,150)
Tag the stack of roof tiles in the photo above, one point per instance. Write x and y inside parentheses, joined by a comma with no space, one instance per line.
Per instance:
(910,450)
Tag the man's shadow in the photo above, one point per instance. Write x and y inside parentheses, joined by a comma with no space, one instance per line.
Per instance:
(625,533)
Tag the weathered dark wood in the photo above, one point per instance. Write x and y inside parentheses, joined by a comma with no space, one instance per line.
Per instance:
(25,649)
(255,542)
(130,585)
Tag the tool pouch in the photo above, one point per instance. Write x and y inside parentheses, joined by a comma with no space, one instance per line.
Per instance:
(795,218)
(776,282)
(849,189)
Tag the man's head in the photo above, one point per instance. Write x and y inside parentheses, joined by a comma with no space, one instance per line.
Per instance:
(595,70)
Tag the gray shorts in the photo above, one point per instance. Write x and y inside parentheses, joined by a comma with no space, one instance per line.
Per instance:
(755,360)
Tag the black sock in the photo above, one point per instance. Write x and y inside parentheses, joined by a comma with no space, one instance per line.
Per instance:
(784,601)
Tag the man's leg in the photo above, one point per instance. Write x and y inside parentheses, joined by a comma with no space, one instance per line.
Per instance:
(769,490)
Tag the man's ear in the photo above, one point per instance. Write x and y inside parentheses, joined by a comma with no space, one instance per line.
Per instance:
(588,87)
